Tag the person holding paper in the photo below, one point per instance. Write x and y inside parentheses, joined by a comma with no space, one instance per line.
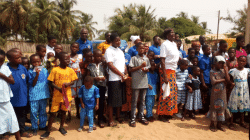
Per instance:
(169,58)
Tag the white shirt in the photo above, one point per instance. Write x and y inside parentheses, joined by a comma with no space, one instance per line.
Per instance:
(116,56)
(171,54)
(49,49)
(5,90)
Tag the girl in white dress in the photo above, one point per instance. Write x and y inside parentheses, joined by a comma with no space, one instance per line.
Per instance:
(239,97)
(8,119)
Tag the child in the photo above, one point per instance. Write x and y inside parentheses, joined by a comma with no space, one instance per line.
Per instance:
(117,74)
(222,50)
(205,66)
(191,54)
(41,51)
(218,101)
(50,55)
(194,62)
(196,46)
(60,77)
(89,98)
(181,77)
(75,60)
(194,95)
(88,58)
(139,66)
(151,55)
(98,71)
(239,97)
(19,89)
(25,62)
(38,94)
(179,45)
(8,119)
(51,46)
(151,92)
(58,50)
(240,50)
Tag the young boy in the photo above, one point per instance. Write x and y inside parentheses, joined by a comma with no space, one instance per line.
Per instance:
(222,50)
(19,89)
(153,79)
(139,66)
(89,98)
(191,54)
(98,71)
(50,47)
(41,51)
(196,46)
(181,52)
(38,93)
(194,62)
(181,77)
(205,67)
(25,62)
(60,77)
(88,58)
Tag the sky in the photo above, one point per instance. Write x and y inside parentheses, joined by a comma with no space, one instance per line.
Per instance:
(207,10)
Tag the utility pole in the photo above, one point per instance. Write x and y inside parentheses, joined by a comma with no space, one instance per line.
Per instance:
(247,31)
(218,26)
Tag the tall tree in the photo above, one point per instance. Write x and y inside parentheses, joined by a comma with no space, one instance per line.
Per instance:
(134,19)
(87,22)
(183,14)
(14,15)
(68,17)
(195,19)
(239,21)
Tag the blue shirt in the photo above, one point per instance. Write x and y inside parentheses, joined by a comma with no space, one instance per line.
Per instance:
(205,65)
(181,77)
(199,56)
(88,96)
(83,45)
(19,88)
(153,79)
(156,50)
(127,58)
(41,89)
(132,51)
(184,55)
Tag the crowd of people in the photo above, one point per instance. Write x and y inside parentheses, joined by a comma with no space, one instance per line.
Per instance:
(108,82)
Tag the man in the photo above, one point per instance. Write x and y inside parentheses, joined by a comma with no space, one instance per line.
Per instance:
(202,40)
(156,48)
(177,37)
(83,41)
(222,50)
(105,45)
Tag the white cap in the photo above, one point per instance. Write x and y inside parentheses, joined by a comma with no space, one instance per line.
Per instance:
(219,58)
(134,38)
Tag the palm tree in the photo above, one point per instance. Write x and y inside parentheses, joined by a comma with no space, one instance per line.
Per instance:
(68,19)
(48,17)
(14,15)
(86,21)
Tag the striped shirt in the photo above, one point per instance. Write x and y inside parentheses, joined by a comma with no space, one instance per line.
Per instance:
(181,77)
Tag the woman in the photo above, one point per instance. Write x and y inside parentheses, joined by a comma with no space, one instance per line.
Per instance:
(169,58)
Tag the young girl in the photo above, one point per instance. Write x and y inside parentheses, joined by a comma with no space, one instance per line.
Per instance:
(88,58)
(191,54)
(139,66)
(194,95)
(8,119)
(239,97)
(75,60)
(218,99)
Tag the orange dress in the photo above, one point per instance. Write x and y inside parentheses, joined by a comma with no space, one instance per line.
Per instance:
(169,105)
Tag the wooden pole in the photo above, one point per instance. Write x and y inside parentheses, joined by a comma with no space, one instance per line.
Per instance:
(247,32)
(218,26)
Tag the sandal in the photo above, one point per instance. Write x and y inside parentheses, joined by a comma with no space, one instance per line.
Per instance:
(112,124)
(27,135)
(101,124)
(244,125)
(183,119)
(212,128)
(221,128)
(121,121)
(231,126)
(143,121)
(94,127)
(132,123)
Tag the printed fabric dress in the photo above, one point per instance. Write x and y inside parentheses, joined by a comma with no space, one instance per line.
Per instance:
(239,97)
(218,99)
(74,64)
(194,101)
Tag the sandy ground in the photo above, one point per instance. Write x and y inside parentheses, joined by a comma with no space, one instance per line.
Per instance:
(176,130)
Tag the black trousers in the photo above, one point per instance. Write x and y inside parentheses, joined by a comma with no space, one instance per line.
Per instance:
(102,91)
(21,117)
